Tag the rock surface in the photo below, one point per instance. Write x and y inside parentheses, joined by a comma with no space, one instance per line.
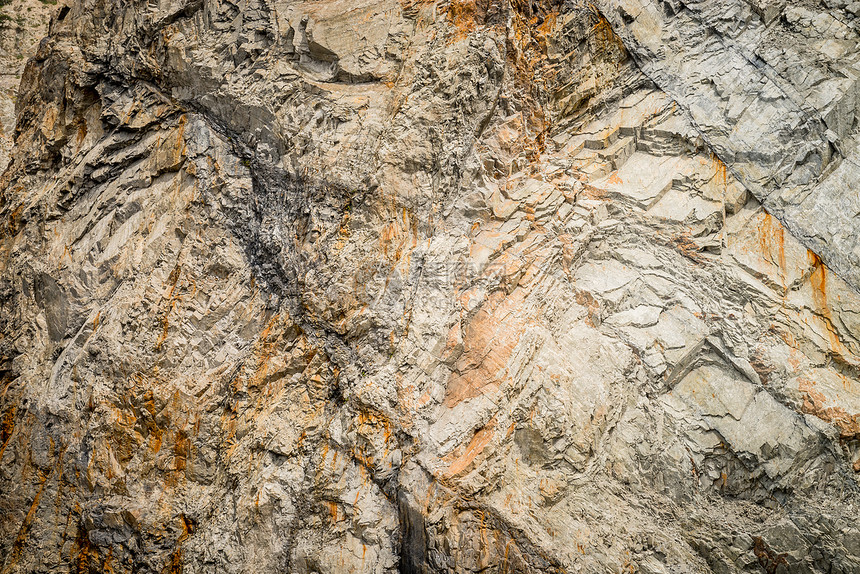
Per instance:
(22,24)
(414,286)
(774,89)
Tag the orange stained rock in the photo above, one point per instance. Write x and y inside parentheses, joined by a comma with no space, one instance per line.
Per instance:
(397,234)
(82,133)
(591,192)
(479,441)
(86,552)
(372,424)
(7,428)
(772,239)
(174,564)
(548,23)
(591,304)
(818,283)
(604,34)
(615,179)
(49,119)
(171,152)
(21,539)
(489,339)
(721,172)
(265,349)
(466,15)
(787,336)
(23,532)
(687,247)
(814,404)
(181,450)
(453,343)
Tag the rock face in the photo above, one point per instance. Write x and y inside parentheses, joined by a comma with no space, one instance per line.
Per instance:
(774,88)
(22,24)
(424,287)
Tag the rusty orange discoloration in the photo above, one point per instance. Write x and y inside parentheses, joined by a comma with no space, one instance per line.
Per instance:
(721,171)
(376,431)
(181,450)
(489,339)
(7,428)
(687,247)
(87,554)
(591,192)
(174,564)
(23,532)
(81,133)
(479,441)
(615,179)
(818,283)
(468,15)
(814,404)
(591,305)
(772,242)
(761,365)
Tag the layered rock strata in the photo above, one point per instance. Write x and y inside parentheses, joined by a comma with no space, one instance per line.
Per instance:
(423,287)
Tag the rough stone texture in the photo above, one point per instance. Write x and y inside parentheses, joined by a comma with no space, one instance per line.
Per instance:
(774,89)
(22,24)
(420,287)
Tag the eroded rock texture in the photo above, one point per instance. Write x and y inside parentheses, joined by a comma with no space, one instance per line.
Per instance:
(22,24)
(424,287)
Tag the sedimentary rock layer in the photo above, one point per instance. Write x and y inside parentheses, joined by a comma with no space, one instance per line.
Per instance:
(420,287)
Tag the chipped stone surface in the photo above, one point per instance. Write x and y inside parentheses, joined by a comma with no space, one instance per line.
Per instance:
(22,24)
(774,89)
(376,287)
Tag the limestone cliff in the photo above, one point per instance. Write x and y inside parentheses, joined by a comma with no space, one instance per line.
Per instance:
(431,286)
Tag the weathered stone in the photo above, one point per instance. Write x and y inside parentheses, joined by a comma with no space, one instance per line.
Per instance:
(431,287)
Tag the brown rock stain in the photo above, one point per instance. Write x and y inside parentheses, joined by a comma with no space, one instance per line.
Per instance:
(23,532)
(181,450)
(592,307)
(467,15)
(721,171)
(769,560)
(87,557)
(686,246)
(818,283)
(814,404)
(174,564)
(7,428)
